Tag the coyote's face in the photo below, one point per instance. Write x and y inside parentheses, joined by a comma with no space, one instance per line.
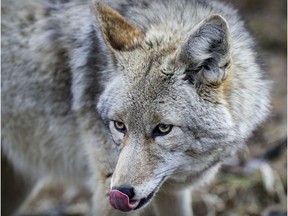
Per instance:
(166,110)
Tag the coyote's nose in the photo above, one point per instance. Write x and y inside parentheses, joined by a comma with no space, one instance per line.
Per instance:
(121,198)
(129,191)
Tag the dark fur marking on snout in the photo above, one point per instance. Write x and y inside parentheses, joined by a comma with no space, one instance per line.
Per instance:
(109,175)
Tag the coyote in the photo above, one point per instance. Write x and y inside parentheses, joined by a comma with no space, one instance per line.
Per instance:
(139,100)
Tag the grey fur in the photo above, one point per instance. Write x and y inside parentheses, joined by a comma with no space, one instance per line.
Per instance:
(62,84)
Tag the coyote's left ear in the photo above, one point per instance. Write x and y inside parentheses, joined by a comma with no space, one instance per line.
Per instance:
(207,50)
(118,33)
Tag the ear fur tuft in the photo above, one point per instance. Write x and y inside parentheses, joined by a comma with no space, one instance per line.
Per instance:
(118,33)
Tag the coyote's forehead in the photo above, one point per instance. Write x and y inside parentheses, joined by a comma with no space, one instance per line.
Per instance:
(145,100)
(143,87)
(148,73)
(145,62)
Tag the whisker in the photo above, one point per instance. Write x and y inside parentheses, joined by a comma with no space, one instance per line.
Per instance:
(170,170)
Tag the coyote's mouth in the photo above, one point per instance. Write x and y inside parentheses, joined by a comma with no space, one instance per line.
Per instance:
(121,201)
(143,201)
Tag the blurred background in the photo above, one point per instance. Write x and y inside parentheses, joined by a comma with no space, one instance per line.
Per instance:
(256,183)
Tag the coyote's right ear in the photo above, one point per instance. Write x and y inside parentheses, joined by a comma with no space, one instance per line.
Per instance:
(118,33)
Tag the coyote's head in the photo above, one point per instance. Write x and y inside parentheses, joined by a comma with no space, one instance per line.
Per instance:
(166,104)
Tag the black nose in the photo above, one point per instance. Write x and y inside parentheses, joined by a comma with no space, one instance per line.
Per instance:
(129,191)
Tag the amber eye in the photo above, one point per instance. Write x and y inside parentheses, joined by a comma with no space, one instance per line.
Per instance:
(120,126)
(162,130)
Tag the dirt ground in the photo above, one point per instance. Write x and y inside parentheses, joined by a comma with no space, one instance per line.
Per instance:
(257,184)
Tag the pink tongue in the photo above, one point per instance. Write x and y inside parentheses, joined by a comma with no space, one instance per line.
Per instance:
(120,201)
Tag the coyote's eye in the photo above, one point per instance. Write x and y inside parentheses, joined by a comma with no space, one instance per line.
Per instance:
(162,130)
(120,126)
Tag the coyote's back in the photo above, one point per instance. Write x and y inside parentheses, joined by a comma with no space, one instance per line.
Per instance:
(130,97)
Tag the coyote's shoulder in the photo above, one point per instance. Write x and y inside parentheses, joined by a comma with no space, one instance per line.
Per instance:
(140,94)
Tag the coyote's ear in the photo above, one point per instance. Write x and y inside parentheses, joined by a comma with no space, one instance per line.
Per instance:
(207,51)
(118,33)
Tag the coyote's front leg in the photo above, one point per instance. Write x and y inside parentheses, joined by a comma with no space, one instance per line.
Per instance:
(173,203)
